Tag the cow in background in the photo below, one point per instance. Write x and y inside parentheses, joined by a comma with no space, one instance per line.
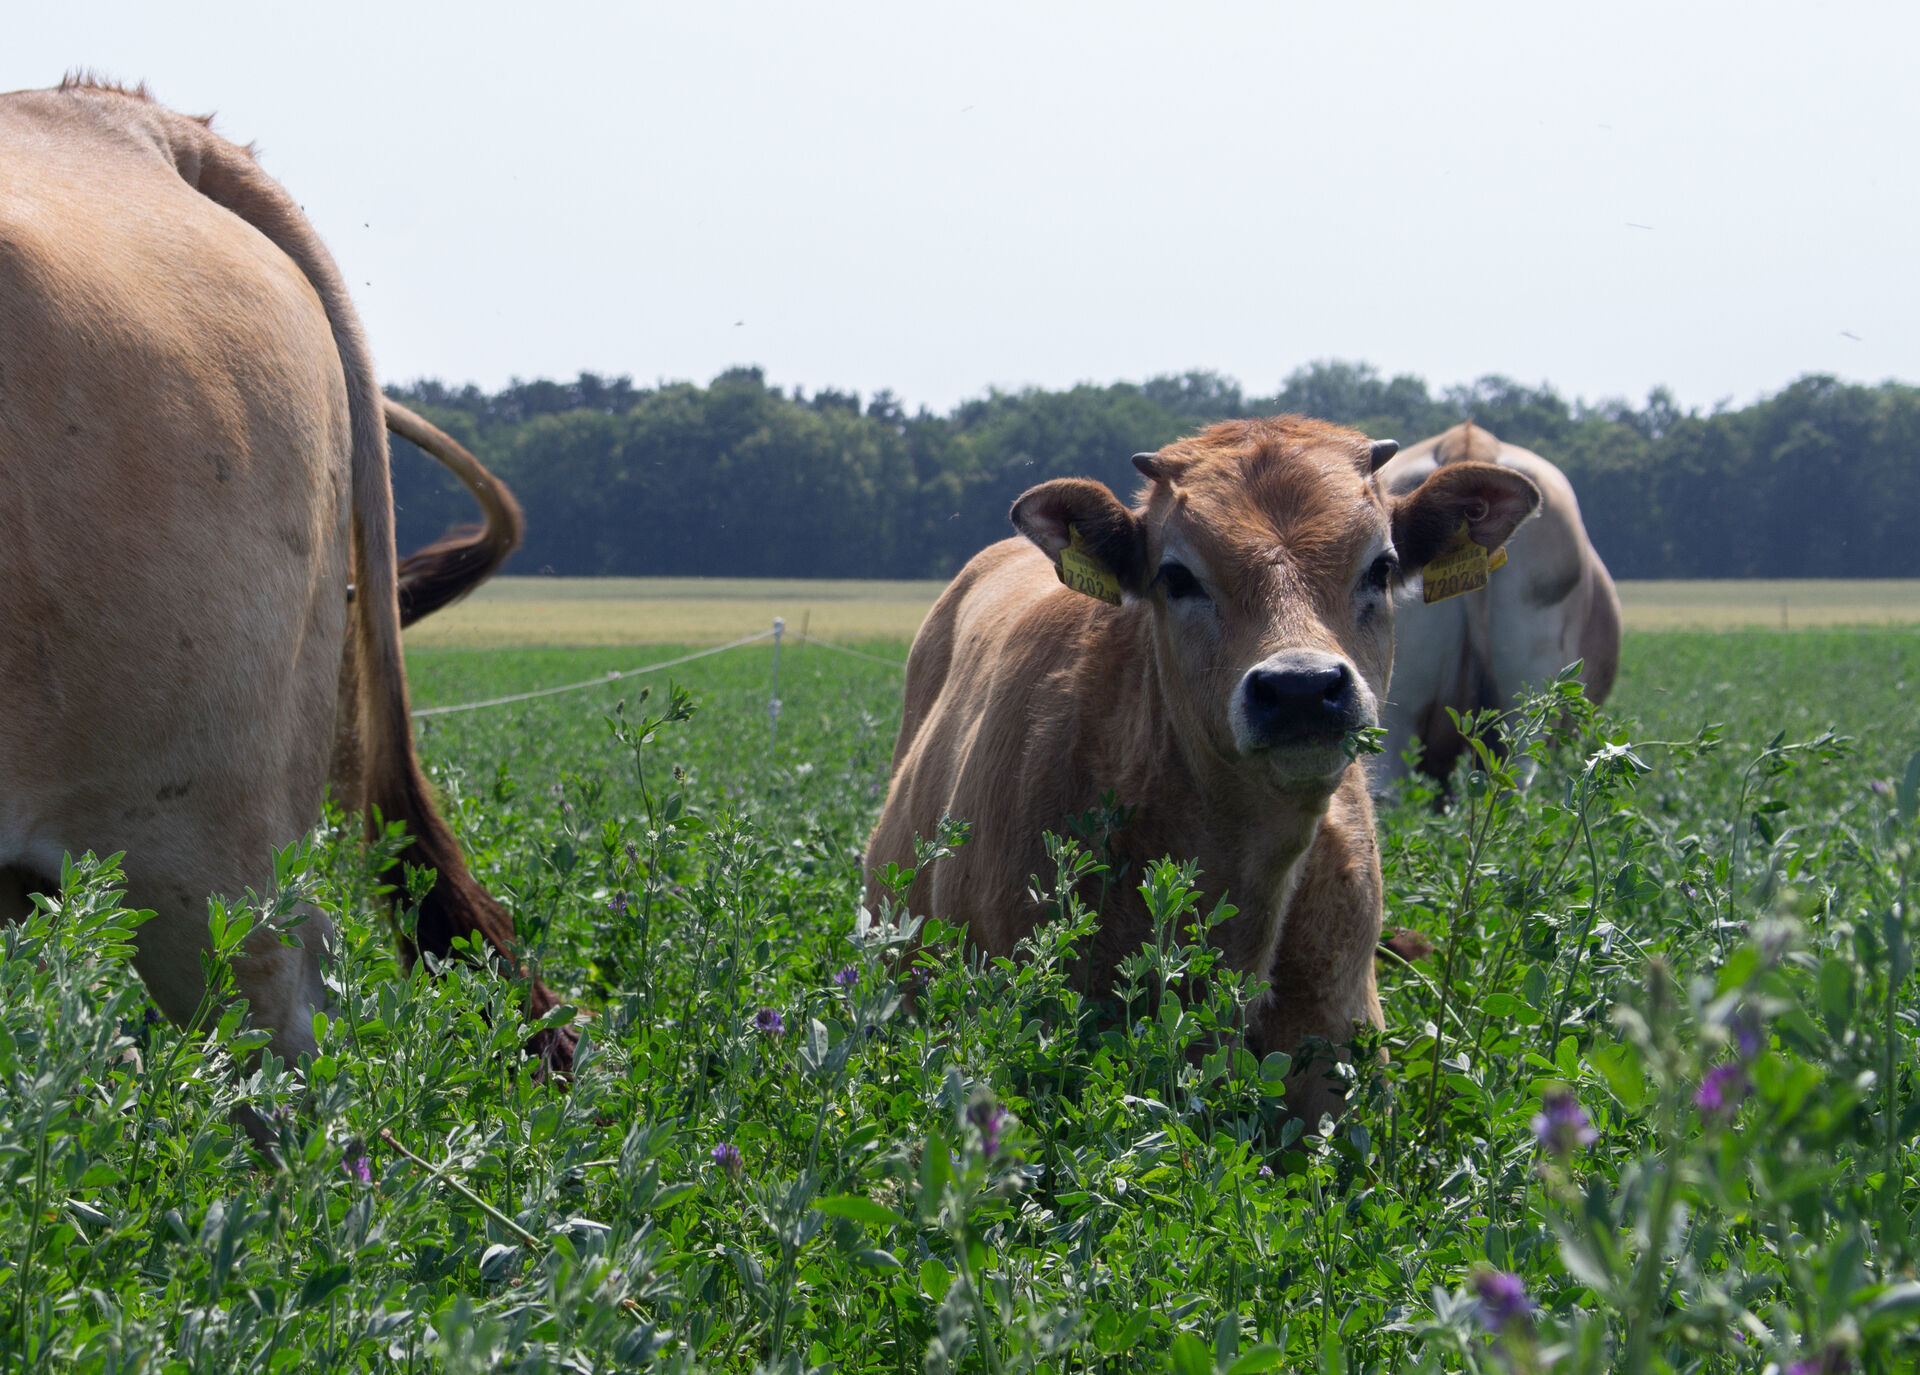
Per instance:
(1236,636)
(199,595)
(1552,604)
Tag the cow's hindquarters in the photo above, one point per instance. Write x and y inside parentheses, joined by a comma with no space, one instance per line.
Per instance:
(174,491)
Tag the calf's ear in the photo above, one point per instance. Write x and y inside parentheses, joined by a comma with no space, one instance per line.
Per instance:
(1107,529)
(1491,500)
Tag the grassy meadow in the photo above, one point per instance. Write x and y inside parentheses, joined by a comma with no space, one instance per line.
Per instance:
(1647,1106)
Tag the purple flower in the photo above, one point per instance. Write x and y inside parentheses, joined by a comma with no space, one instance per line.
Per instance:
(1832,1360)
(357,1166)
(1745,1027)
(990,1118)
(848,977)
(1722,1090)
(617,904)
(768,1022)
(1266,1172)
(1883,788)
(1503,1299)
(727,1156)
(1562,1126)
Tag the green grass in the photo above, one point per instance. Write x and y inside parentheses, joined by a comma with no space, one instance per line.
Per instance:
(1643,913)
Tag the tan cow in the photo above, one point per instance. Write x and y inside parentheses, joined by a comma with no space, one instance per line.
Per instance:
(1253,637)
(1552,604)
(193,471)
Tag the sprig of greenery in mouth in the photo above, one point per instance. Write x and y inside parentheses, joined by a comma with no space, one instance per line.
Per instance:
(1362,741)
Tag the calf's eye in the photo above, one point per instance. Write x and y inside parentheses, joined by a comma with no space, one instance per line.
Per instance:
(1384,570)
(1180,584)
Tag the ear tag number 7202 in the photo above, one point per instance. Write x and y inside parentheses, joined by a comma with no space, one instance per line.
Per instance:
(1462,566)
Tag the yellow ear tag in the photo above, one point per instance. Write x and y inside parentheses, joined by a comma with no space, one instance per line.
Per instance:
(1082,570)
(1461,567)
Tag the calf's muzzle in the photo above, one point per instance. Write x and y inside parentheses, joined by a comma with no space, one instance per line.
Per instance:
(1299,697)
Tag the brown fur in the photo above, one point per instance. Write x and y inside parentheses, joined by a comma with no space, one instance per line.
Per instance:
(460,560)
(1408,945)
(199,379)
(1026,700)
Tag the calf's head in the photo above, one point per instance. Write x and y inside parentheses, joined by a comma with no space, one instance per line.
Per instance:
(1266,557)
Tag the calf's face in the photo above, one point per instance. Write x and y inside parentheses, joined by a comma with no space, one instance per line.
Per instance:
(1266,555)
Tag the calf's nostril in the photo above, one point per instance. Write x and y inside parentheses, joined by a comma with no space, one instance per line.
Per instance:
(1298,701)
(1296,687)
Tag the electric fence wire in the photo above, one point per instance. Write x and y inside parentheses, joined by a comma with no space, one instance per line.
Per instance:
(610,677)
(856,653)
(614,677)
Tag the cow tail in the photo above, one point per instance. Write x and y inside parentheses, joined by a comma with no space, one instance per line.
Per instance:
(391,781)
(462,559)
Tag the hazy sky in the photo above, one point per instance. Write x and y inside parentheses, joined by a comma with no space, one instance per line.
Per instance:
(942,198)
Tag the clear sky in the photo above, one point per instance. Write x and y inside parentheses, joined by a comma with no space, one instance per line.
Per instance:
(936,199)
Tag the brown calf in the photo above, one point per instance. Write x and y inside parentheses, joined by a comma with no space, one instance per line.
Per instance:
(1255,635)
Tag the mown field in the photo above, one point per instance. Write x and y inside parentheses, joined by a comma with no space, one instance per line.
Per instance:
(1648,1105)
(562,612)
(558,612)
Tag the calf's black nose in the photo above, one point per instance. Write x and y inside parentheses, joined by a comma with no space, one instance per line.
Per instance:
(1306,701)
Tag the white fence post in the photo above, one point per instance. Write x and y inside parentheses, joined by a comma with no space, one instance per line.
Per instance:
(773,702)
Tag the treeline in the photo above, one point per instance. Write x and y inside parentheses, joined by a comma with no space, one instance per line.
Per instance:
(741,479)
